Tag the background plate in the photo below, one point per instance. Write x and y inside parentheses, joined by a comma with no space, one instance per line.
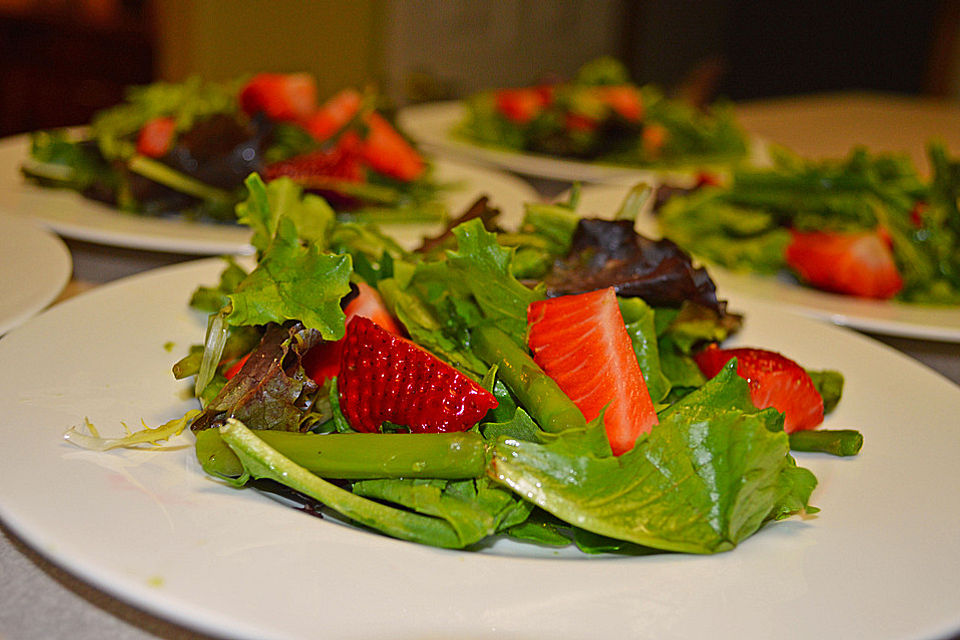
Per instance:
(876,316)
(431,124)
(35,266)
(73,216)
(879,561)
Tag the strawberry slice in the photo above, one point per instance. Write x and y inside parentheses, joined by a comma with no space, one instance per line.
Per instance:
(334,114)
(156,137)
(323,361)
(287,97)
(384,377)
(855,263)
(622,99)
(522,105)
(387,152)
(774,380)
(318,168)
(581,342)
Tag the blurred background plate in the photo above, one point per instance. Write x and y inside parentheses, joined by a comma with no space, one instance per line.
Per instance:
(35,266)
(875,316)
(431,126)
(78,218)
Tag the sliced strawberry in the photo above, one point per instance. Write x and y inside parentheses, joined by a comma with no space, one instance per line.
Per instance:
(384,377)
(288,97)
(334,114)
(323,361)
(579,122)
(387,152)
(235,368)
(581,342)
(775,381)
(522,105)
(623,99)
(156,137)
(652,138)
(855,263)
(917,213)
(318,168)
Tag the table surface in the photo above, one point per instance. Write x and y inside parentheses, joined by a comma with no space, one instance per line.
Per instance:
(39,600)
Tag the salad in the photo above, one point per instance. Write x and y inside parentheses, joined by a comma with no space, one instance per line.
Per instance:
(600,115)
(560,384)
(865,226)
(186,148)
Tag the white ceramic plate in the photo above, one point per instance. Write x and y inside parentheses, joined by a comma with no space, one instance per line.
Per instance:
(878,562)
(875,316)
(35,266)
(73,216)
(432,125)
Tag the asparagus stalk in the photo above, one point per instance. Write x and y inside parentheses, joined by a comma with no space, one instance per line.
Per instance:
(354,456)
(260,460)
(537,392)
(839,442)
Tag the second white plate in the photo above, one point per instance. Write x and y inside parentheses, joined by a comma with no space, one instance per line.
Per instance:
(875,316)
(73,216)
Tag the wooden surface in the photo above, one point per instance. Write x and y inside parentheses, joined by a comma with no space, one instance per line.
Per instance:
(825,126)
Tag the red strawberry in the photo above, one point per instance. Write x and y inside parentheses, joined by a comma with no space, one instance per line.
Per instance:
(156,137)
(323,361)
(289,97)
(582,344)
(522,105)
(775,381)
(317,168)
(388,378)
(387,152)
(579,122)
(855,263)
(334,114)
(623,99)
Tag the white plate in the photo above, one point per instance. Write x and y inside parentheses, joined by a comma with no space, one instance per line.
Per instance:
(35,266)
(431,126)
(73,216)
(876,316)
(880,560)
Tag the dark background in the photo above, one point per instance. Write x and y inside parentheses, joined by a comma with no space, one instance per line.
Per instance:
(62,61)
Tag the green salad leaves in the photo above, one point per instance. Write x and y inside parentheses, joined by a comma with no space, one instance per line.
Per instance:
(712,473)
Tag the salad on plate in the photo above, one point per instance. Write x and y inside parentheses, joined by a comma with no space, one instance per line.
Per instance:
(562,383)
(602,116)
(185,149)
(866,226)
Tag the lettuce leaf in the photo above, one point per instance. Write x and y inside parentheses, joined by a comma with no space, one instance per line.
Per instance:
(708,476)
(294,282)
(484,267)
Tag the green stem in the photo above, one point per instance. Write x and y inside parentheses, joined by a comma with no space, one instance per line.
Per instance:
(537,392)
(260,460)
(355,456)
(839,442)
(159,172)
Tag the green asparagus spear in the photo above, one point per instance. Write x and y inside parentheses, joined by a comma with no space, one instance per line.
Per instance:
(260,460)
(839,442)
(538,393)
(352,456)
